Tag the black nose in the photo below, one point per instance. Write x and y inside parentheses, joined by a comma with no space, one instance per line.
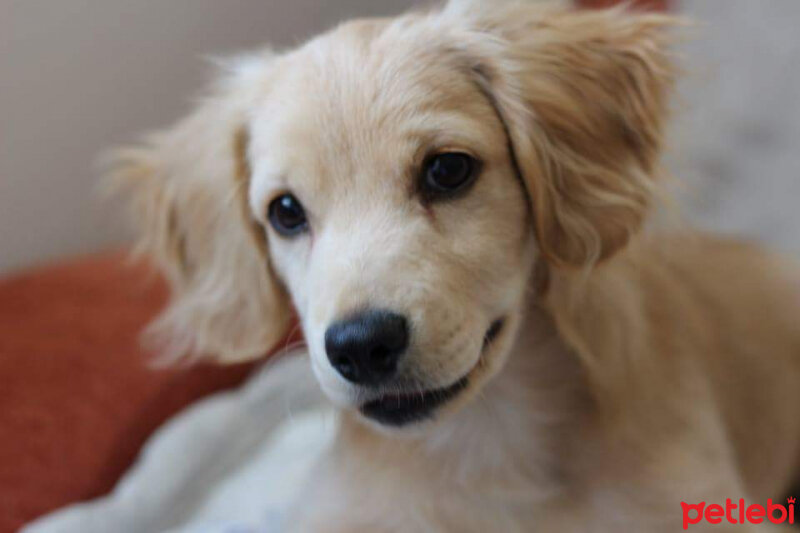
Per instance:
(365,348)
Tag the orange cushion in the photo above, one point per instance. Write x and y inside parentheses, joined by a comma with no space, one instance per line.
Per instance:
(77,398)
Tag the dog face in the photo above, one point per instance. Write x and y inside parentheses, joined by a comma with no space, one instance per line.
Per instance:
(396,181)
(394,216)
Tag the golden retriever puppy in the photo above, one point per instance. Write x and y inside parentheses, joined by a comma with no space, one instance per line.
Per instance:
(450,202)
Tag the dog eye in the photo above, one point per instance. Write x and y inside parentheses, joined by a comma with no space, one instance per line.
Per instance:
(287,216)
(447,173)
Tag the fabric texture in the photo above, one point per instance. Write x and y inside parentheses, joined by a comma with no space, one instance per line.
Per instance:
(230,463)
(78,396)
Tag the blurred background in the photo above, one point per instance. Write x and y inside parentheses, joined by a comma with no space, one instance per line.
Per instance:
(77,77)
(735,141)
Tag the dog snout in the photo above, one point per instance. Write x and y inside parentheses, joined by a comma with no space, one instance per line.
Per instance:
(366,347)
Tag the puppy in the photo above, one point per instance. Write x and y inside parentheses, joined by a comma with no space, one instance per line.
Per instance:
(450,202)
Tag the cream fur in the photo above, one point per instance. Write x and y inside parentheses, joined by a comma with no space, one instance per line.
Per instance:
(633,372)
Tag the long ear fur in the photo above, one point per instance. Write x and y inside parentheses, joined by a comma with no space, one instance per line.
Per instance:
(583,95)
(187,187)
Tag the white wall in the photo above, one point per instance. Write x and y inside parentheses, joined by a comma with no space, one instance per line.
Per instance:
(80,76)
(736,138)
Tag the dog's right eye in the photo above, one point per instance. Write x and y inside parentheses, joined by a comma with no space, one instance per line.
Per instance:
(287,216)
(447,174)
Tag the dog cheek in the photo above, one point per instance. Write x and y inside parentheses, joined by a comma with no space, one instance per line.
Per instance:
(449,338)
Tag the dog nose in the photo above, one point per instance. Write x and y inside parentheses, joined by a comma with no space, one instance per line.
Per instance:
(366,347)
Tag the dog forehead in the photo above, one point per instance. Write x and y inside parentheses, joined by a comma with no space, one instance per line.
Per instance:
(360,93)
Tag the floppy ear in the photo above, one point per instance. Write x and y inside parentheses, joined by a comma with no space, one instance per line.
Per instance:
(583,95)
(187,188)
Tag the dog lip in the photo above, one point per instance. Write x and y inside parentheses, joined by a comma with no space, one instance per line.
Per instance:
(404,408)
(400,409)
(494,330)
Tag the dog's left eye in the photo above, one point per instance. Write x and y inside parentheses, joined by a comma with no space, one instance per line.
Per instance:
(447,173)
(287,216)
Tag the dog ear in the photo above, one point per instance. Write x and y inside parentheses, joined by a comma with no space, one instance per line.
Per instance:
(583,95)
(187,188)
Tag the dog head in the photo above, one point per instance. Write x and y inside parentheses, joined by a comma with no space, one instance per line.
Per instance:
(395,181)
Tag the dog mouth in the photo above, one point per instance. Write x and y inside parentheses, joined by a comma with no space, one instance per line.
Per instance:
(403,408)
(398,409)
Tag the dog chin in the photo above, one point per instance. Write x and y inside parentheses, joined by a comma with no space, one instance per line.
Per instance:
(412,407)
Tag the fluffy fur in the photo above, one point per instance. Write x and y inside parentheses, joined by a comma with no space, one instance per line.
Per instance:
(633,371)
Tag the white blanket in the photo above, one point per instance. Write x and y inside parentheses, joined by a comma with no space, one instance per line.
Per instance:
(229,463)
